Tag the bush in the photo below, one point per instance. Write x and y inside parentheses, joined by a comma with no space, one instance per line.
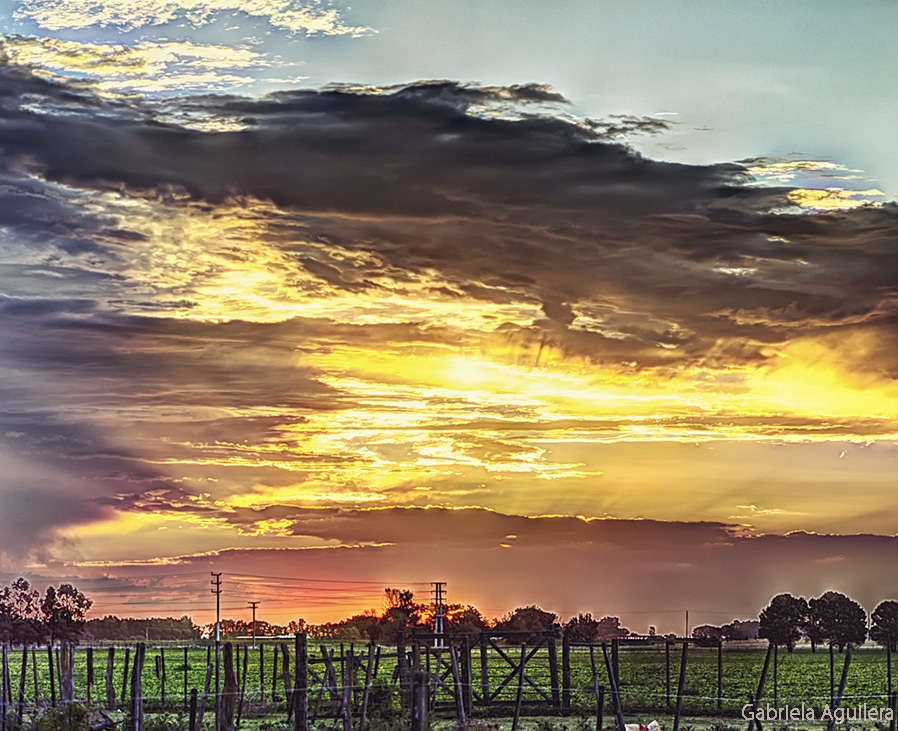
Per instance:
(70,717)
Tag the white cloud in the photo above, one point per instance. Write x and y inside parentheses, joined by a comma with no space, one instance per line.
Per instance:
(146,67)
(59,15)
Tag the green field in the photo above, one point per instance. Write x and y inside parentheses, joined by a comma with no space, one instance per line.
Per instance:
(801,677)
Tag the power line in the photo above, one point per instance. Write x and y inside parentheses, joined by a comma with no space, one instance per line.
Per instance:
(329,581)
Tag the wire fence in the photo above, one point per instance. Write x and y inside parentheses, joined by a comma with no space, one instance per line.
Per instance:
(490,674)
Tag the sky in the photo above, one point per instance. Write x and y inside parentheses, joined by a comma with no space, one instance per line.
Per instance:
(590,305)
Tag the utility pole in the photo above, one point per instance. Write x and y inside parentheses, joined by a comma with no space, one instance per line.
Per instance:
(216,582)
(687,622)
(439,612)
(254,605)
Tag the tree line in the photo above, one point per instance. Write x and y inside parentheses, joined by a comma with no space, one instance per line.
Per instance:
(404,615)
(832,618)
(27,618)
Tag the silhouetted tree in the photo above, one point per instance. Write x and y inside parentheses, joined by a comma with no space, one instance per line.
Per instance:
(609,628)
(296,626)
(402,614)
(582,628)
(708,635)
(63,613)
(111,627)
(812,628)
(841,620)
(884,629)
(21,618)
(782,619)
(527,619)
(465,619)
(740,629)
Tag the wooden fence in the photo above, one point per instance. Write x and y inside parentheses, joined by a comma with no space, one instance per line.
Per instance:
(310,680)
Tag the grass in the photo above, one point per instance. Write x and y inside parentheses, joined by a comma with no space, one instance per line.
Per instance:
(801,677)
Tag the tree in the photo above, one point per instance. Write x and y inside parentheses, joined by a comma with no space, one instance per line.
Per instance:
(64,611)
(740,629)
(841,620)
(465,619)
(812,628)
(111,627)
(884,629)
(527,619)
(609,628)
(21,618)
(297,626)
(781,621)
(582,628)
(708,635)
(402,614)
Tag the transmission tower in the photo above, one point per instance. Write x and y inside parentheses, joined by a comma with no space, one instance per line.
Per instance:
(439,611)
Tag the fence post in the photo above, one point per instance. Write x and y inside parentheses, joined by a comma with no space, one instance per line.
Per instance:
(20,705)
(719,676)
(229,698)
(832,676)
(420,693)
(125,675)
(301,684)
(459,697)
(90,672)
(52,674)
(467,674)
(667,670)
(5,690)
(553,670)
(520,696)
(565,672)
(135,721)
(681,684)
(598,690)
(775,674)
(615,661)
(484,668)
(402,666)
(162,673)
(755,700)
(369,676)
(192,721)
(842,682)
(615,689)
(243,673)
(37,687)
(274,673)
(348,683)
(66,672)
(261,672)
(207,686)
(285,674)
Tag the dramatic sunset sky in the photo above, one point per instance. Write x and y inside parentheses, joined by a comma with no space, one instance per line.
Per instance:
(591,305)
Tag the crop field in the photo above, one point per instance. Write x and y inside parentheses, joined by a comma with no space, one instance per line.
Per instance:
(648,678)
(800,677)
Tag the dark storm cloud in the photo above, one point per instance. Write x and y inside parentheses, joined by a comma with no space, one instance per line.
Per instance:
(534,208)
(476,527)
(634,263)
(34,502)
